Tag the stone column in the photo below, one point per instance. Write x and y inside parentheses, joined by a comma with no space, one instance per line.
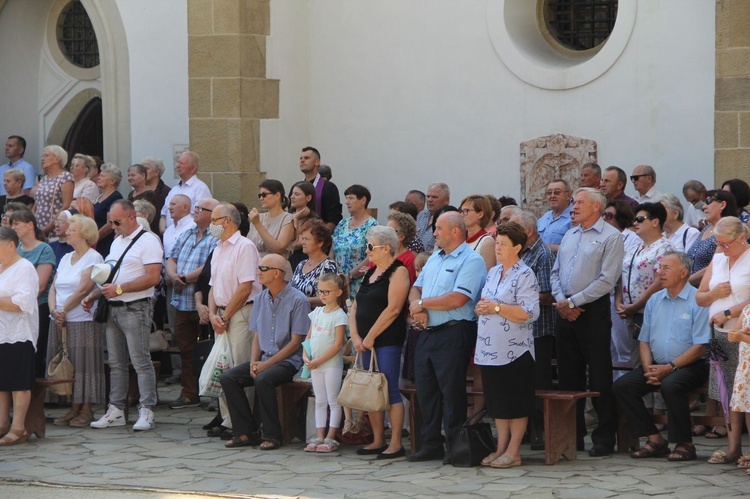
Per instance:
(732,100)
(229,93)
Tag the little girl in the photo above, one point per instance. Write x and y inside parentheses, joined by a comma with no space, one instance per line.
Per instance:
(327,335)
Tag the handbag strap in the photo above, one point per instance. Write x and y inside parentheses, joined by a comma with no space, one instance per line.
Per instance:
(373,360)
(117,265)
(481,412)
(64,341)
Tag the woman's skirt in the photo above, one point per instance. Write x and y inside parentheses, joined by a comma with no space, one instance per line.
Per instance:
(509,389)
(86,352)
(17,366)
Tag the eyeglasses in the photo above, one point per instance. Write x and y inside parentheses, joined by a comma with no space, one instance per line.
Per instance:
(641,219)
(371,247)
(199,209)
(726,245)
(556,192)
(266,268)
(633,178)
(324,292)
(263,195)
(608,215)
(466,211)
(214,220)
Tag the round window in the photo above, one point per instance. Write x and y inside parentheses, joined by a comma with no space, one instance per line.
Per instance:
(579,25)
(76,36)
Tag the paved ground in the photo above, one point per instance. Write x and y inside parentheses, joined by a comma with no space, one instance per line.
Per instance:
(178,457)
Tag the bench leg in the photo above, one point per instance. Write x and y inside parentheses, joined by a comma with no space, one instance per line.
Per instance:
(415,424)
(35,422)
(289,399)
(559,430)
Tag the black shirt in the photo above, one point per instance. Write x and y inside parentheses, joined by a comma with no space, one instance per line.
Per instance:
(372,300)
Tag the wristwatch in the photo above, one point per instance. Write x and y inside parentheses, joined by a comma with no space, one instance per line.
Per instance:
(674,366)
(497,308)
(420,304)
(570,303)
(118,290)
(728,313)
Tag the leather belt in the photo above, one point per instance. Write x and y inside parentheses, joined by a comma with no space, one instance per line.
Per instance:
(444,325)
(119,303)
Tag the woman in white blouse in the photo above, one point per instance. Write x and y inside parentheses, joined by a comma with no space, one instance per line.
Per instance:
(19,329)
(505,344)
(84,187)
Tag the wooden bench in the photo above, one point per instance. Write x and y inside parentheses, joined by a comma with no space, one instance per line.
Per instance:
(290,396)
(36,421)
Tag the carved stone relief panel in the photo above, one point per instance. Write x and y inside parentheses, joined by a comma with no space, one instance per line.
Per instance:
(546,158)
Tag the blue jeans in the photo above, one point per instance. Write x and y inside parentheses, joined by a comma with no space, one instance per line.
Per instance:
(128,329)
(389,361)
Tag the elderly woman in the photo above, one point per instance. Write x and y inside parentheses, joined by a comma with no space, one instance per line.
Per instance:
(349,237)
(19,328)
(84,336)
(681,235)
(273,231)
(302,207)
(414,244)
(406,228)
(724,290)
(741,191)
(155,169)
(145,213)
(719,204)
(13,180)
(109,180)
(55,191)
(377,322)
(33,248)
(137,178)
(477,211)
(80,168)
(61,247)
(316,244)
(505,344)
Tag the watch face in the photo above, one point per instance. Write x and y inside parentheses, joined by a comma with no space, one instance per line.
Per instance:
(497,309)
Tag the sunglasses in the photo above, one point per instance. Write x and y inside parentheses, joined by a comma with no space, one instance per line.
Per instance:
(266,268)
(633,178)
(608,215)
(263,195)
(200,209)
(641,219)
(371,247)
(710,200)
(116,223)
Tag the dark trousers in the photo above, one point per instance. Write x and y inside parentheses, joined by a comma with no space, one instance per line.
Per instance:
(544,350)
(40,358)
(234,383)
(440,363)
(187,331)
(675,388)
(584,343)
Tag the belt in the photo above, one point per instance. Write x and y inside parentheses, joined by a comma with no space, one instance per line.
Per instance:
(444,325)
(119,303)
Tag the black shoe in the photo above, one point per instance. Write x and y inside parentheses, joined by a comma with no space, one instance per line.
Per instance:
(393,455)
(371,452)
(216,431)
(599,450)
(427,455)
(537,444)
(226,435)
(447,459)
(215,423)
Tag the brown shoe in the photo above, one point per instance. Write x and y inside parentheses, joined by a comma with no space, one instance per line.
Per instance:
(21,437)
(651,449)
(83,420)
(65,420)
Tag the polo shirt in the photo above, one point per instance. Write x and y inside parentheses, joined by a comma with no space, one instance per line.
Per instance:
(277,319)
(146,251)
(194,188)
(552,229)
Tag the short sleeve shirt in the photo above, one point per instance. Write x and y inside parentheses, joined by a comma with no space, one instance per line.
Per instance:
(48,197)
(42,254)
(552,229)
(235,261)
(146,251)
(276,320)
(323,334)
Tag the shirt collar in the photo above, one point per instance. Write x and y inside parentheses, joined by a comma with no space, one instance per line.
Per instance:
(134,233)
(189,182)
(534,247)
(456,252)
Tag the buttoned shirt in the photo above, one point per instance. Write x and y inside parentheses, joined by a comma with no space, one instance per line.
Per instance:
(235,261)
(552,229)
(683,237)
(694,214)
(174,231)
(146,251)
(190,253)
(424,231)
(28,170)
(277,319)
(462,271)
(540,259)
(194,188)
(588,264)
(672,325)
(650,197)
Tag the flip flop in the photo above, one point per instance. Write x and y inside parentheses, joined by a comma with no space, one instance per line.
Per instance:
(270,444)
(721,457)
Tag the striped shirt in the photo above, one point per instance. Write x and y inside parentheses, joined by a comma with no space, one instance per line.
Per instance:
(539,258)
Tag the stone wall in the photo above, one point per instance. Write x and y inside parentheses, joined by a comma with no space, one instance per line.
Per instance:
(229,93)
(732,106)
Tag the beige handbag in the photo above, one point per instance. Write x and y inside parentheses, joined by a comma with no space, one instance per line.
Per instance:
(366,390)
(60,368)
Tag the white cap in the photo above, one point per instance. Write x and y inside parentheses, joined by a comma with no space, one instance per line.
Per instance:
(100,272)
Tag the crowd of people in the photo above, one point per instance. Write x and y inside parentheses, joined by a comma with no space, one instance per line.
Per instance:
(624,292)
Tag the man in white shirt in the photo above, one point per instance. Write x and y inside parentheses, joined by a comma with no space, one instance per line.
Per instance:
(694,193)
(189,185)
(129,323)
(179,209)
(15,148)
(644,182)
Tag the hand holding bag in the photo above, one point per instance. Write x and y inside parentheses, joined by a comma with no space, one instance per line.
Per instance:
(218,362)
(364,390)
(472,442)
(60,368)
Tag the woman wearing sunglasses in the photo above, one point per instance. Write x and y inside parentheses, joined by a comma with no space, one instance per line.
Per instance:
(719,204)
(272,231)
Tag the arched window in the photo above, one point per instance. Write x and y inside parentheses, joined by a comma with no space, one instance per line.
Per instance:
(76,36)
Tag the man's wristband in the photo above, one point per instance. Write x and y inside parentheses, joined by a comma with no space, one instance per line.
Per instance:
(674,366)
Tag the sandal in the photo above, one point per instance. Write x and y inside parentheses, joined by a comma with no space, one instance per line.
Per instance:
(716,432)
(328,445)
(505,461)
(348,425)
(240,442)
(699,430)
(357,426)
(651,449)
(743,462)
(487,461)
(21,437)
(4,431)
(65,420)
(313,444)
(683,452)
(83,420)
(721,457)
(270,444)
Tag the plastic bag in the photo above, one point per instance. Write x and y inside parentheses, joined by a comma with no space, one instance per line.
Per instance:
(218,362)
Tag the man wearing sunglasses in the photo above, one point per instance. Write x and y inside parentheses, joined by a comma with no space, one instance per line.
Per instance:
(644,182)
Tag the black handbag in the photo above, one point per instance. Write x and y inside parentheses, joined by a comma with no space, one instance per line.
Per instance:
(472,442)
(102,305)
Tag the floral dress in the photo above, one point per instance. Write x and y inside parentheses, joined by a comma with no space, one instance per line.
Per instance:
(349,248)
(640,267)
(48,197)
(308,283)
(741,389)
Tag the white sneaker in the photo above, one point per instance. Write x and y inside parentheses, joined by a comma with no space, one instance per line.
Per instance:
(145,420)
(114,417)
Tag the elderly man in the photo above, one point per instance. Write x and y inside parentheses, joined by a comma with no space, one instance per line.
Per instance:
(588,264)
(417,198)
(155,168)
(644,182)
(280,317)
(15,148)
(438,195)
(540,259)
(179,210)
(234,286)
(673,340)
(591,175)
(694,193)
(553,225)
(613,185)
(506,212)
(189,185)
(442,303)
(184,265)
(129,323)
(327,199)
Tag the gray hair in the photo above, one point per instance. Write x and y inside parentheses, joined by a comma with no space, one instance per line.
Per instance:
(155,163)
(8,235)
(526,219)
(58,152)
(648,170)
(231,212)
(87,161)
(194,159)
(694,185)
(383,234)
(685,260)
(731,227)
(671,203)
(144,207)
(510,210)
(594,168)
(445,191)
(114,171)
(596,196)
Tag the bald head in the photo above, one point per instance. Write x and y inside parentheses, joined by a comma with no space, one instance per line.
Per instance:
(450,231)
(179,207)
(273,276)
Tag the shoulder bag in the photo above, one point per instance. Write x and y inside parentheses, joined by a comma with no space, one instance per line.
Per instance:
(102,306)
(60,368)
(366,390)
(472,442)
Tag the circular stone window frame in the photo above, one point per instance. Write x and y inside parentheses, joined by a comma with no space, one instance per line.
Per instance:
(76,72)
(516,33)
